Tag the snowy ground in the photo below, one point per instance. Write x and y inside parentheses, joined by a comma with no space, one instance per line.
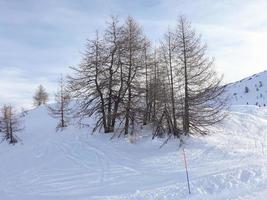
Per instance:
(49,165)
(249,91)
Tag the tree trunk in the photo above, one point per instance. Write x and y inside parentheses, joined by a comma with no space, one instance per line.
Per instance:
(172,88)
(186,100)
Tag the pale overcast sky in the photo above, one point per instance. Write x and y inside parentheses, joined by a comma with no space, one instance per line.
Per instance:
(40,39)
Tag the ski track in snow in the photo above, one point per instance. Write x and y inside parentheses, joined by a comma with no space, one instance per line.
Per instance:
(49,165)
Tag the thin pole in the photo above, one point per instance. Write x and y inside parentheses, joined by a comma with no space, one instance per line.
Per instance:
(187,176)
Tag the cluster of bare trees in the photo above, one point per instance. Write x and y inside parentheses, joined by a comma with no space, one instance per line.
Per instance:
(193,101)
(108,82)
(123,82)
(11,121)
(10,124)
(60,109)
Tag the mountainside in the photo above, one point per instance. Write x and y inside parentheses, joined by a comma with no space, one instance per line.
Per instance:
(74,164)
(249,91)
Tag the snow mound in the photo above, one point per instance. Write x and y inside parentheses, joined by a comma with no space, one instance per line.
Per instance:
(74,164)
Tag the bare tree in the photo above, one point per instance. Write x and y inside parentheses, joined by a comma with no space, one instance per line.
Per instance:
(147,65)
(202,106)
(9,124)
(133,43)
(61,109)
(88,84)
(113,70)
(160,93)
(40,97)
(169,62)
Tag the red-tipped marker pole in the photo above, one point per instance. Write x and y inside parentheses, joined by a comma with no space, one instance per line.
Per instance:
(187,176)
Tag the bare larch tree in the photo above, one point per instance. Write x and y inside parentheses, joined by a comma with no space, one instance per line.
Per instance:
(169,63)
(88,84)
(61,109)
(147,65)
(113,71)
(10,123)
(202,106)
(133,44)
(40,97)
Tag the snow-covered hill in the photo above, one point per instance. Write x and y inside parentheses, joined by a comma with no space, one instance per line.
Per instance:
(249,91)
(73,164)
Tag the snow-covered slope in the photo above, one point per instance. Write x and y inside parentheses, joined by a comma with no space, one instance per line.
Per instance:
(73,164)
(249,91)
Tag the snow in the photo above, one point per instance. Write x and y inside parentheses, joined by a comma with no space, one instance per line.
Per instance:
(255,94)
(74,164)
